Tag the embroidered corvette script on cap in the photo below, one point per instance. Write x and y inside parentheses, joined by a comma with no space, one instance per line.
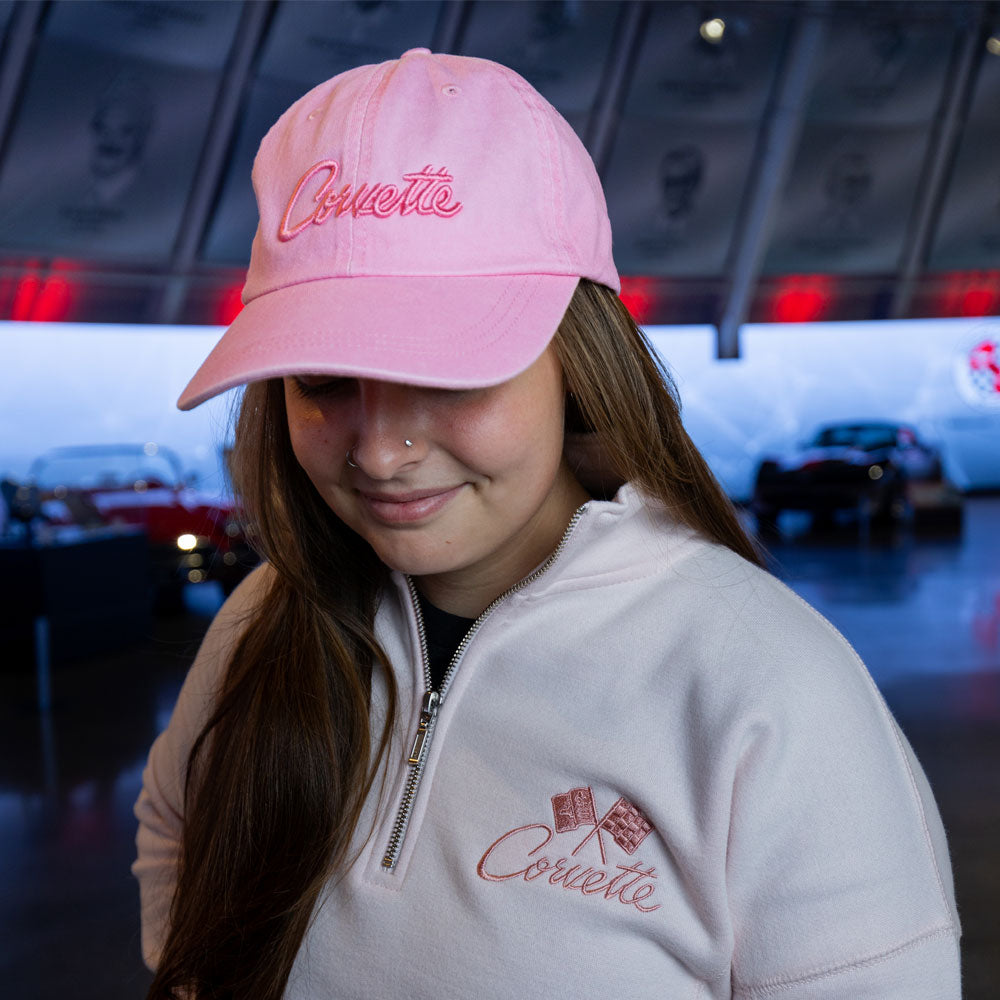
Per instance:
(427,192)
(517,854)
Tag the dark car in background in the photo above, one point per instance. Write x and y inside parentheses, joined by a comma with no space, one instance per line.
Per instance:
(881,471)
(193,536)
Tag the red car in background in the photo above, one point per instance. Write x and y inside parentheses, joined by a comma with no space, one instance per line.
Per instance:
(193,535)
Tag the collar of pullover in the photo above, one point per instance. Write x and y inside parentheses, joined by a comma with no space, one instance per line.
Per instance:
(627,537)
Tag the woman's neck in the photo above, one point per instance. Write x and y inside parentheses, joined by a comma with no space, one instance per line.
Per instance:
(468,591)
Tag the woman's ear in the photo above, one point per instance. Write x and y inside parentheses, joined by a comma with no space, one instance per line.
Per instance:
(586,454)
(591,464)
(576,423)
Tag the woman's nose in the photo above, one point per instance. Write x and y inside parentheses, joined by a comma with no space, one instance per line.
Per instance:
(388,429)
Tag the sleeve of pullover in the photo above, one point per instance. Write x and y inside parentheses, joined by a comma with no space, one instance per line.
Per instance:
(839,882)
(160,806)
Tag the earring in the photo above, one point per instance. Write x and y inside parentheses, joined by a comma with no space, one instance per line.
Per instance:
(352,464)
(408,443)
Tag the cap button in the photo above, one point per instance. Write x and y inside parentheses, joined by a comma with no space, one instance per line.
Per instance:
(415,52)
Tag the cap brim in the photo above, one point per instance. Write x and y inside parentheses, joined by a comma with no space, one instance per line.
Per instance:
(454,332)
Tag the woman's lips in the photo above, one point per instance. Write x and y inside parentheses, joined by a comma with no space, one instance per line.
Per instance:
(404,508)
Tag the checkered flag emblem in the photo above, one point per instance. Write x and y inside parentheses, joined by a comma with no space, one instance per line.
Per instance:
(627,825)
(984,367)
(624,821)
(574,809)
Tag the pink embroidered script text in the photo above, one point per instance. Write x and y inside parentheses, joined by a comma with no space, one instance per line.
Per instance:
(427,192)
(514,856)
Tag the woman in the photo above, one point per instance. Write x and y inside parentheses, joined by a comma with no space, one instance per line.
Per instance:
(488,722)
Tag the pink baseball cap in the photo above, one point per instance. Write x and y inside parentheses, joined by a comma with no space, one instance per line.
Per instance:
(425,220)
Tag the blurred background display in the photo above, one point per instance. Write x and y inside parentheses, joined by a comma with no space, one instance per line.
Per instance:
(562,49)
(684,147)
(115,111)
(969,229)
(868,122)
(764,161)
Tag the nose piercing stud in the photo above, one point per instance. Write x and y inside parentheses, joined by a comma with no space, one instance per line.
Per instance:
(354,465)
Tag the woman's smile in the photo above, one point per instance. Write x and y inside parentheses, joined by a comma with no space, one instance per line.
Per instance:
(408,507)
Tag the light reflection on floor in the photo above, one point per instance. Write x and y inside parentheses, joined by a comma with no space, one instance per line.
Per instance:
(923,613)
(912,606)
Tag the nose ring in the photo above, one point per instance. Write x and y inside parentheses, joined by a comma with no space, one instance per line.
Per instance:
(354,465)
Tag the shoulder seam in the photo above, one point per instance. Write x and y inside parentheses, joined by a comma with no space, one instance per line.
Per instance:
(770,987)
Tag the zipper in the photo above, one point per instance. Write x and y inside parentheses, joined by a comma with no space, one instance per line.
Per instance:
(433,700)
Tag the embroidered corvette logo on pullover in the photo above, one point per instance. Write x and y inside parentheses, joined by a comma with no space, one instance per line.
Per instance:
(516,854)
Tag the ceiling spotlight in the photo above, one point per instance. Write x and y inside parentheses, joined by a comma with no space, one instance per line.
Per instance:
(993,45)
(713,30)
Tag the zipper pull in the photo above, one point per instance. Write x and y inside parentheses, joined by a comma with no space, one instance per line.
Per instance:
(427,712)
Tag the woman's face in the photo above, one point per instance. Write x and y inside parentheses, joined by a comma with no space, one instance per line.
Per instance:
(480,497)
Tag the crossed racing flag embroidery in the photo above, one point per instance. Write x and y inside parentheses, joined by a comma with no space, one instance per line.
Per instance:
(624,821)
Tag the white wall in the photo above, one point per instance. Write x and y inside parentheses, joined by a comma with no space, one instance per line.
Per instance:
(73,383)
(63,384)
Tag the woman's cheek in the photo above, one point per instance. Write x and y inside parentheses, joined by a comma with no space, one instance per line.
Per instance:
(310,430)
(312,447)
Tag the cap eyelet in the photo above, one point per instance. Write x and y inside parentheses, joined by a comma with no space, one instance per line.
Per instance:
(450,90)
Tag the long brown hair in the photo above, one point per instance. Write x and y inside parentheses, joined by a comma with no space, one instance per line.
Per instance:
(625,417)
(278,776)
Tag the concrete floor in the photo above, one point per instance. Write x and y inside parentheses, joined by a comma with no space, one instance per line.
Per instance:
(923,613)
